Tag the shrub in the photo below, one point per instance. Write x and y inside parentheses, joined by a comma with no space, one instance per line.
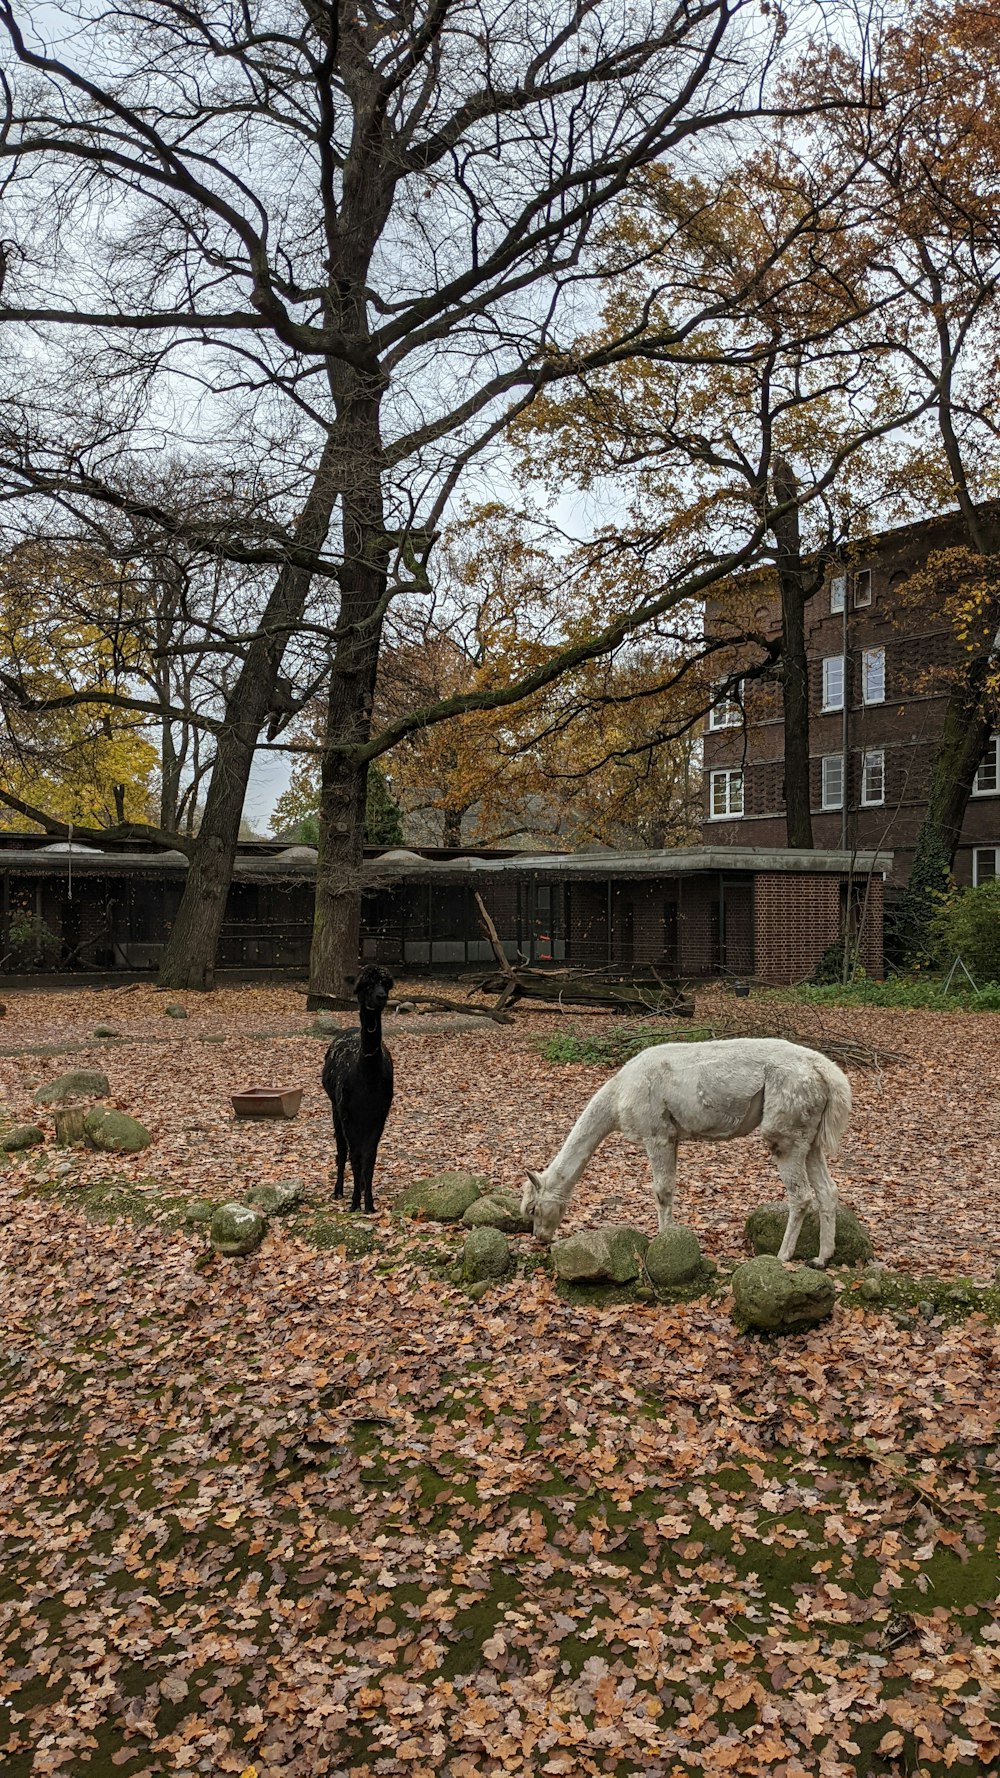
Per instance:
(968,926)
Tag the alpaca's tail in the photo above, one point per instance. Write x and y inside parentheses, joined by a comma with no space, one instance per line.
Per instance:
(837,1115)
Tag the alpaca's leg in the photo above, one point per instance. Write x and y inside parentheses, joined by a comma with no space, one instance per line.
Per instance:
(826,1198)
(358,1171)
(662,1154)
(369,1165)
(790,1158)
(339,1138)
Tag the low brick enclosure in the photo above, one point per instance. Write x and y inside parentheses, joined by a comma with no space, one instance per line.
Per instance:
(762,914)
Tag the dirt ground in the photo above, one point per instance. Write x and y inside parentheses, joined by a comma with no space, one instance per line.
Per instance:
(318,1513)
(919,1163)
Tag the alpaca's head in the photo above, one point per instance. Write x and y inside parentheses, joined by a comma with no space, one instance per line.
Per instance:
(373,987)
(544,1211)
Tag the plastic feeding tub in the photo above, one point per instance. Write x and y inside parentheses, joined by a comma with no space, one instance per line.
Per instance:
(268,1102)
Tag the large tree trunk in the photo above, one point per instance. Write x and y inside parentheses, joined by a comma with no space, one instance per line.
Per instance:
(964,736)
(189,955)
(796,586)
(968,724)
(336,945)
(452,828)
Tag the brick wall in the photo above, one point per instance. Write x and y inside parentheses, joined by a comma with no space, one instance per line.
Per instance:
(798,917)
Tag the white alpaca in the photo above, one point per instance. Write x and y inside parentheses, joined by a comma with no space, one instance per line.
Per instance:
(709,1092)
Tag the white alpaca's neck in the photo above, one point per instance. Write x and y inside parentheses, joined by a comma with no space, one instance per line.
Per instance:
(597,1119)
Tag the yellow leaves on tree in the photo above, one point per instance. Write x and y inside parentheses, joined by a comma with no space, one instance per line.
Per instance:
(86,763)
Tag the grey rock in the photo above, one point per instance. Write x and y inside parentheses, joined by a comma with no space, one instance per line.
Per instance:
(200,1210)
(485,1256)
(673,1258)
(79,1083)
(106,1031)
(213,1037)
(444,1197)
(765,1230)
(22,1136)
(479,1290)
(173,1010)
(871,1289)
(325,1025)
(277,1199)
(600,1256)
(779,1301)
(925,1308)
(114,1132)
(498,1210)
(236,1229)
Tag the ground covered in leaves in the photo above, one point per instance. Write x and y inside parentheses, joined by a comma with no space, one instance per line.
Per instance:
(317,1512)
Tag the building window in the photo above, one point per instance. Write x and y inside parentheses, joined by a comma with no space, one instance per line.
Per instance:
(726,794)
(873,676)
(833,781)
(833,682)
(985,865)
(873,780)
(987,780)
(727,712)
(863,588)
(838,587)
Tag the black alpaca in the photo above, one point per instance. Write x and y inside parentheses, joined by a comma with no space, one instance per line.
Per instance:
(357,1075)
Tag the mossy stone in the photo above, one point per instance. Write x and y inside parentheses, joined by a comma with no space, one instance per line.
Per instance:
(486,1255)
(769,1297)
(115,1132)
(444,1197)
(199,1210)
(673,1258)
(79,1083)
(765,1229)
(600,1256)
(276,1199)
(497,1210)
(236,1229)
(175,1011)
(22,1136)
(105,1031)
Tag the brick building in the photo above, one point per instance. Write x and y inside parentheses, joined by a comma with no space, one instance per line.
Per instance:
(880,653)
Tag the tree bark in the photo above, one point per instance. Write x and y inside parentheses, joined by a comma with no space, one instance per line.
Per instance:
(452,830)
(336,944)
(189,955)
(964,737)
(795,586)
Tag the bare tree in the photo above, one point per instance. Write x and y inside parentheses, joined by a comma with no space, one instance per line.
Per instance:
(347,241)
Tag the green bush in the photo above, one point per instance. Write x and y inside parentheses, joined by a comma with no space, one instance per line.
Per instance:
(968,926)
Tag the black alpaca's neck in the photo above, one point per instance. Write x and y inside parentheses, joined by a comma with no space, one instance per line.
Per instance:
(371,1034)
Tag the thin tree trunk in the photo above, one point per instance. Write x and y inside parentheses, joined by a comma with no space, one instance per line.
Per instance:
(795,587)
(336,945)
(189,955)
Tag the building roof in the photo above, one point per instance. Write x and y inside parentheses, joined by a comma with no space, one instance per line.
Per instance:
(296,863)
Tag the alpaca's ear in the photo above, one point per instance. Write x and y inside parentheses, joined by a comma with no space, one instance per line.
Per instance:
(536,1182)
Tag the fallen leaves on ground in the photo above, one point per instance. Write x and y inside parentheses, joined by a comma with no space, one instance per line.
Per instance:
(306,1514)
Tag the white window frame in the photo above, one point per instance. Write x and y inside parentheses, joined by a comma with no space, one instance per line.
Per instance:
(868,759)
(991,761)
(862,588)
(838,593)
(836,702)
(728,712)
(729,779)
(830,798)
(976,850)
(870,659)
